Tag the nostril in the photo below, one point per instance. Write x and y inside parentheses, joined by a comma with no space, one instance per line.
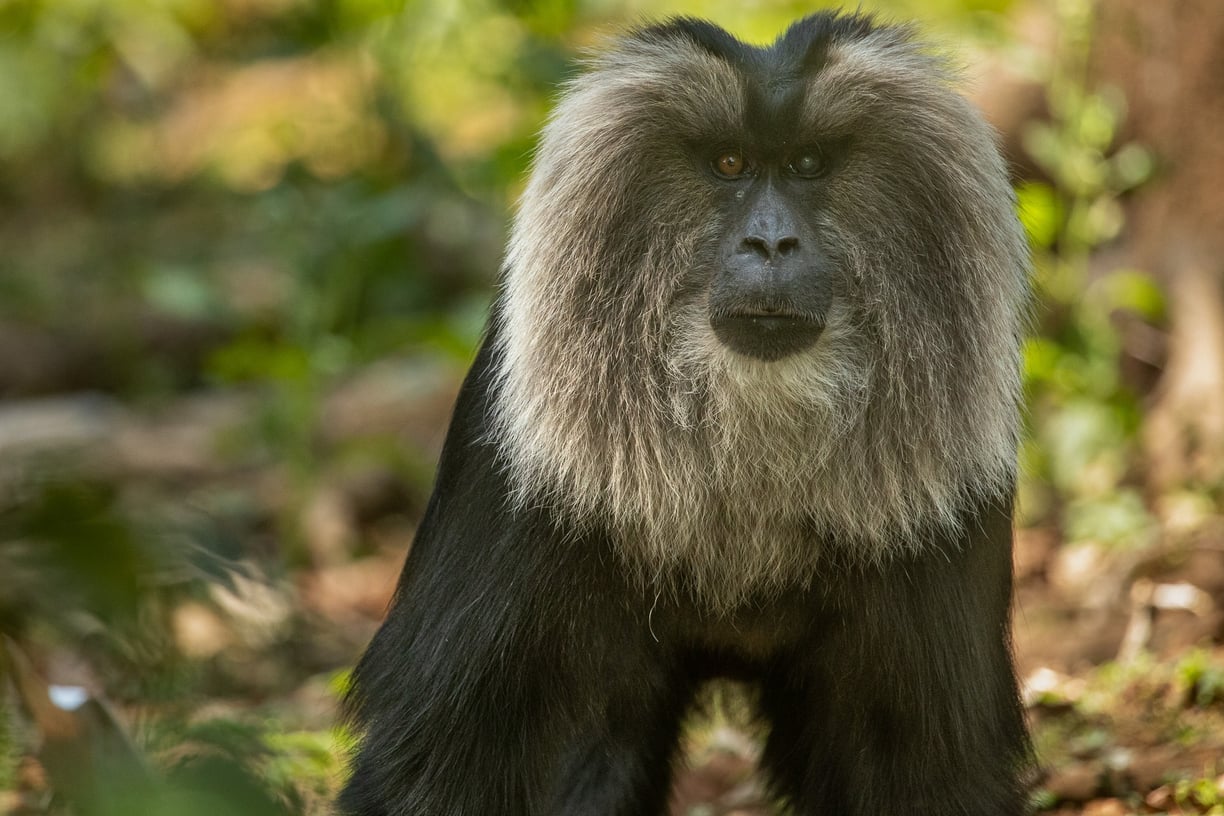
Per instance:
(757,246)
(787,245)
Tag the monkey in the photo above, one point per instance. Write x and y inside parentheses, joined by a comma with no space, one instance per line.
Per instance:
(747,405)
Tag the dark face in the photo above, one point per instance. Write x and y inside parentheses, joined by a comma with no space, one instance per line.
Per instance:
(773,285)
(774,271)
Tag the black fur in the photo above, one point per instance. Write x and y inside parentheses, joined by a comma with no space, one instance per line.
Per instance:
(521,672)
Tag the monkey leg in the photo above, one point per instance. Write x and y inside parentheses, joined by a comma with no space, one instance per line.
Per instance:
(621,764)
(623,703)
(905,701)
(518,683)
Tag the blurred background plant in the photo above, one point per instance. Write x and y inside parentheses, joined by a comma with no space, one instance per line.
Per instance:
(246,250)
(1082,455)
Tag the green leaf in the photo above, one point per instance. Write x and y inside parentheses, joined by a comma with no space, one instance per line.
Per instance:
(1040,212)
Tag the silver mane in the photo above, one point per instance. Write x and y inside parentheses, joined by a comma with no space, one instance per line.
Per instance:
(614,402)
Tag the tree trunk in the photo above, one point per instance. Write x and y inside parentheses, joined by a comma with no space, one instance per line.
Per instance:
(1168,60)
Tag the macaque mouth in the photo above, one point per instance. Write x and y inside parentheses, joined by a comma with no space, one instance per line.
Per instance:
(766,335)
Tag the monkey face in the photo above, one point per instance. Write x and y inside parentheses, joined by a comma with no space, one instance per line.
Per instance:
(772,285)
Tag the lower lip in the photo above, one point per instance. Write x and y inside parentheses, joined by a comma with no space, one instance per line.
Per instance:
(766,337)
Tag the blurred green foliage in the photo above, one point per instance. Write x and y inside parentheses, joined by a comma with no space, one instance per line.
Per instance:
(1085,418)
(1201,677)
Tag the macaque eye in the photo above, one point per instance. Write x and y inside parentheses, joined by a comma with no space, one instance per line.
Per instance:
(808,164)
(729,164)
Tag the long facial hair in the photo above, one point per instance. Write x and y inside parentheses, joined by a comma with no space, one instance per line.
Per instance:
(617,406)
